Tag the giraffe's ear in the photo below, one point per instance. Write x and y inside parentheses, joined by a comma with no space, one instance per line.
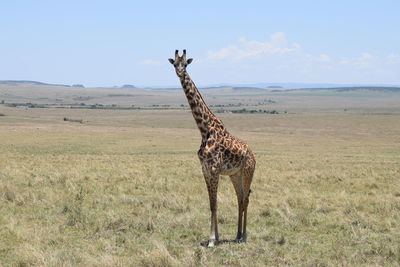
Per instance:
(171,61)
(189,61)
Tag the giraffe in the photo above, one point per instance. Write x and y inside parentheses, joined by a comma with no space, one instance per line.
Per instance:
(220,153)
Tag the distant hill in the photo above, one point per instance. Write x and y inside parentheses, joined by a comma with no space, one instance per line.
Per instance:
(304,85)
(358,88)
(11,82)
(27,82)
(247,89)
(128,86)
(271,87)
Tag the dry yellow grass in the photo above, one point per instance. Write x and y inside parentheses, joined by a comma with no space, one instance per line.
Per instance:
(125,188)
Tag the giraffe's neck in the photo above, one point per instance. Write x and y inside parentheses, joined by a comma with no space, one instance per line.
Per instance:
(203,116)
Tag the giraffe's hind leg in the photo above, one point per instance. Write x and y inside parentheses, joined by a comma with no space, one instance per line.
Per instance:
(237,182)
(247,178)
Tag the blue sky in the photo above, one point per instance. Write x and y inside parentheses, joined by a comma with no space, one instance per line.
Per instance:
(105,43)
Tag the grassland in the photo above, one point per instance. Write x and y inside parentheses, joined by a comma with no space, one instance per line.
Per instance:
(124,188)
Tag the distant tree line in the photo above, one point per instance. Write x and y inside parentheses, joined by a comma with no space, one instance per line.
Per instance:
(240,104)
(28,105)
(133,107)
(250,111)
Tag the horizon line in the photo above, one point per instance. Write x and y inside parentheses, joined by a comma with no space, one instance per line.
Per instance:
(256,85)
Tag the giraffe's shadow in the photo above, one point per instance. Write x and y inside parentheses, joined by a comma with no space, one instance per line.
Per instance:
(221,242)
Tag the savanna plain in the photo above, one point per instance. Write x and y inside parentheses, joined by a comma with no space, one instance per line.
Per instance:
(110,177)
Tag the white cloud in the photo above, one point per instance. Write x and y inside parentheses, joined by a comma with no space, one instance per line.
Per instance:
(324,58)
(363,61)
(280,59)
(393,58)
(150,62)
(245,49)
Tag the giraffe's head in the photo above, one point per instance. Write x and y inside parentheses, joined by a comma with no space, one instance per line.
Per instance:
(180,63)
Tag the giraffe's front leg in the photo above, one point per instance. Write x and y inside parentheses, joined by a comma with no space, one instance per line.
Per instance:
(212,187)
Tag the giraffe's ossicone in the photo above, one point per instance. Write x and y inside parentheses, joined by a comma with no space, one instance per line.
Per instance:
(220,153)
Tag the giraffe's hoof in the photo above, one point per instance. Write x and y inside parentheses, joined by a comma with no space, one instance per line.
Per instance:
(209,243)
(242,239)
(238,237)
